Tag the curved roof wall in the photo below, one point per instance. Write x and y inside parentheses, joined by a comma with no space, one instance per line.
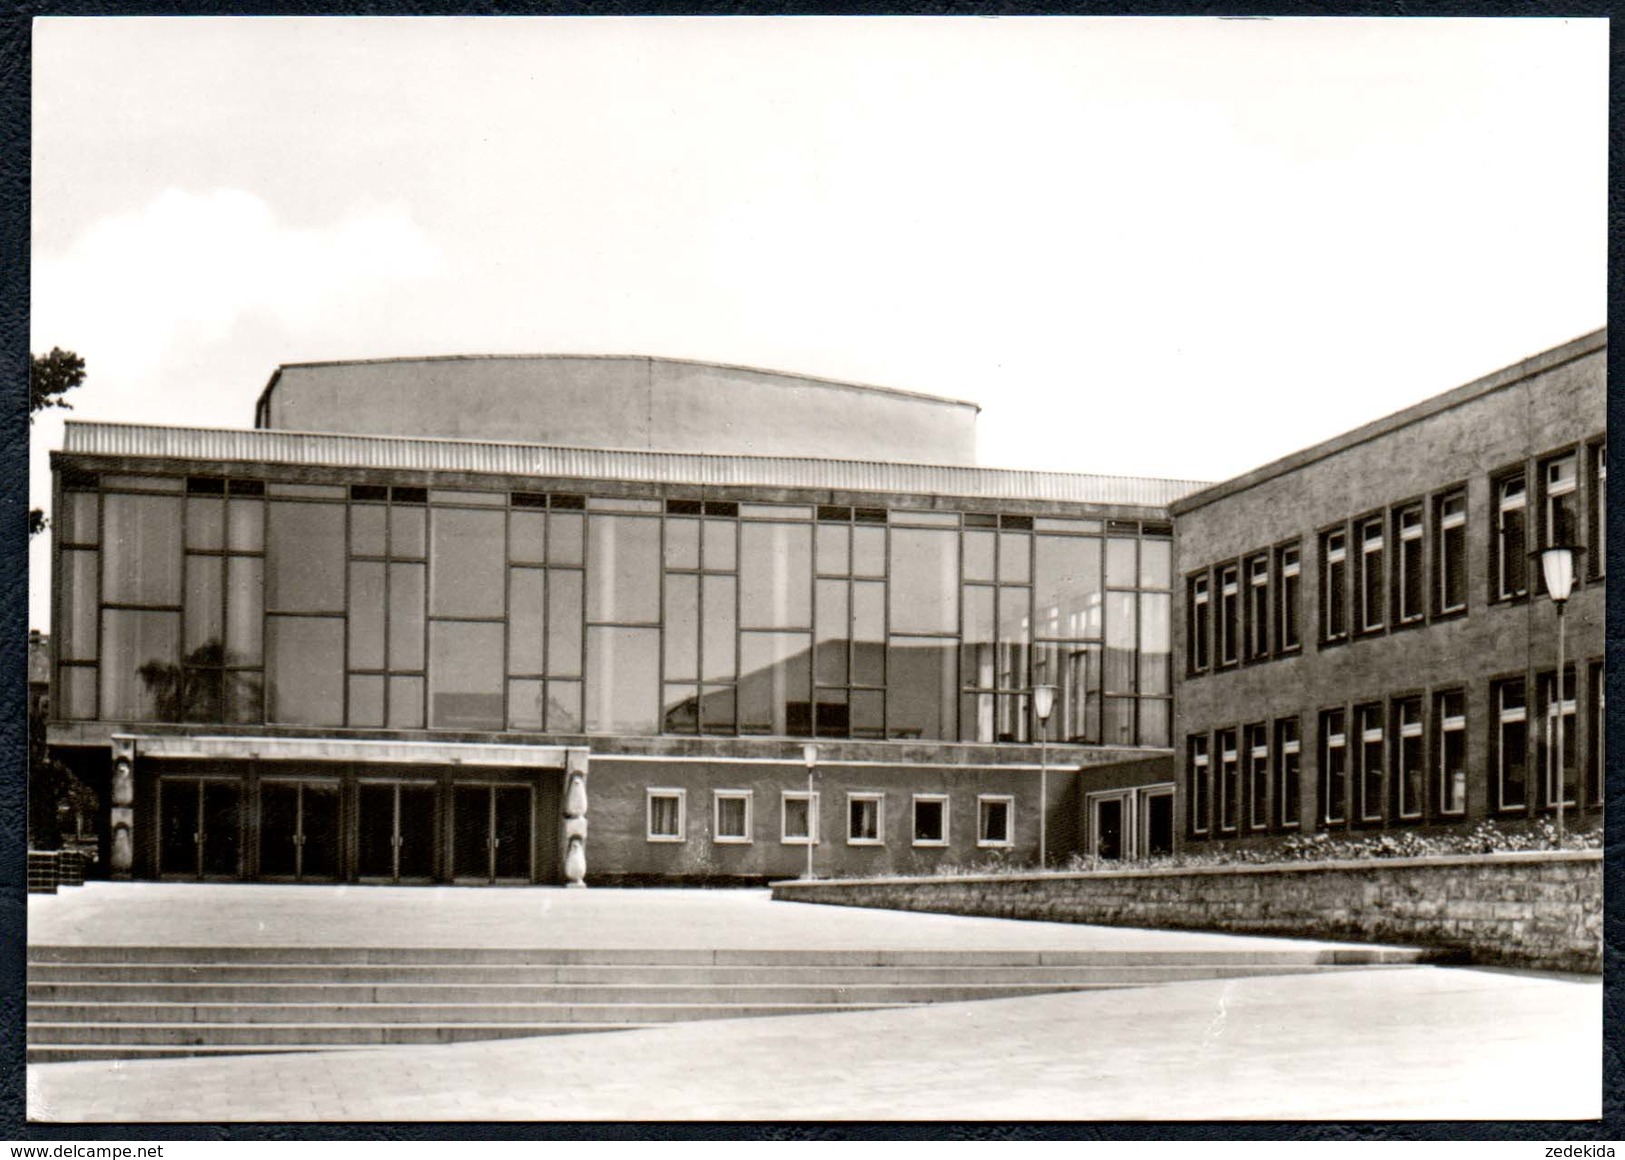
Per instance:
(619,402)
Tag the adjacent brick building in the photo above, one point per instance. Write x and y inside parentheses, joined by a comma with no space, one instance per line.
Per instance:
(1362,640)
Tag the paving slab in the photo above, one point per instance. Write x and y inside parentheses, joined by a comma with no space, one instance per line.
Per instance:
(254,914)
(1423,1043)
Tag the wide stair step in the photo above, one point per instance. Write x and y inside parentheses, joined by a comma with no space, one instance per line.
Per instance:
(107,1002)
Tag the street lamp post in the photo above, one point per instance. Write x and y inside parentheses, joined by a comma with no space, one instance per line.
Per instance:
(809,754)
(1043,702)
(1557,568)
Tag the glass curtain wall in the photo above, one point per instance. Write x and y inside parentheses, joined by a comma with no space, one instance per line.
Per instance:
(405,607)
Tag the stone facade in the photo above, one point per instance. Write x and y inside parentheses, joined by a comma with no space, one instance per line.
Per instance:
(1540,911)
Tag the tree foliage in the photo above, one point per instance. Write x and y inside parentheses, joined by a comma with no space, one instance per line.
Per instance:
(50,376)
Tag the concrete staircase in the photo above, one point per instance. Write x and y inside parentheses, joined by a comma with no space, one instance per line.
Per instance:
(122,1002)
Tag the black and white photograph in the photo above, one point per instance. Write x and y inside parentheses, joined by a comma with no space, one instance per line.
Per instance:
(731,570)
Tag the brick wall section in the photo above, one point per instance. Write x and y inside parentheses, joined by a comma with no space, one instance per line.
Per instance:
(1541,910)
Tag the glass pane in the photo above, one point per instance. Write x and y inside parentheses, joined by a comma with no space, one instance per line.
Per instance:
(305,670)
(834,549)
(1066,588)
(76,521)
(832,716)
(408,532)
(76,689)
(718,662)
(526,705)
(319,823)
(775,683)
(564,706)
(527,537)
(205,522)
(978,562)
(245,697)
(525,610)
(245,613)
(465,563)
(245,525)
(832,629)
(623,569)
(304,557)
(775,576)
(717,711)
(868,714)
(202,698)
(1155,728)
(140,672)
(1156,563)
(682,628)
(222,828)
(80,585)
(680,712)
(406,702)
(367,529)
(564,623)
(513,831)
(1074,668)
(922,689)
(143,550)
(566,535)
(924,580)
(367,702)
(623,680)
(367,616)
(465,676)
(868,551)
(417,831)
(1119,724)
(682,543)
(976,658)
(721,545)
(1120,642)
(1015,557)
(1120,563)
(204,632)
(1156,643)
(279,829)
(178,826)
(868,632)
(375,831)
(471,832)
(1015,624)
(405,617)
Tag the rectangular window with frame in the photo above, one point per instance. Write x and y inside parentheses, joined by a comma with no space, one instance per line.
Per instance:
(1410,565)
(995,825)
(865,819)
(1597,750)
(666,814)
(1547,762)
(1511,757)
(1334,767)
(1288,585)
(1258,607)
(1334,585)
(1450,714)
(1410,759)
(930,819)
(1373,772)
(1199,641)
(1288,769)
(798,818)
(1597,562)
(732,823)
(1560,500)
(1371,580)
(1228,780)
(1511,579)
(1257,740)
(1229,613)
(1450,553)
(1197,785)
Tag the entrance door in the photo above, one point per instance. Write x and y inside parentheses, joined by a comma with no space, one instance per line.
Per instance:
(1159,824)
(493,831)
(395,834)
(299,830)
(200,827)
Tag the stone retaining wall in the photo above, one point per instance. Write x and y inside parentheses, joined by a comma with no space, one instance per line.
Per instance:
(1541,910)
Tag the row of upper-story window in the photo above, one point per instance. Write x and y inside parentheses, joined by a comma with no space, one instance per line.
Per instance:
(1401,761)
(404,607)
(1398,567)
(800,822)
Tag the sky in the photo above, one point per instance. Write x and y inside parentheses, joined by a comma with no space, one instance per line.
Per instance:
(1176,247)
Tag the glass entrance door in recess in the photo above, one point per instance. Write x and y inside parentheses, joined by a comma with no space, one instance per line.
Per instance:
(492,833)
(395,831)
(299,830)
(200,827)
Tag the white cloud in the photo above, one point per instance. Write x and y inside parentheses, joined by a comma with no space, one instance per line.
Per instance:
(187,266)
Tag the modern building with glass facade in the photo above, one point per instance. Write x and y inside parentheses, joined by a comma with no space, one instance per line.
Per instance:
(1365,643)
(553,618)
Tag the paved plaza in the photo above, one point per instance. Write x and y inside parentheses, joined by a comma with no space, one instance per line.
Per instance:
(1390,1043)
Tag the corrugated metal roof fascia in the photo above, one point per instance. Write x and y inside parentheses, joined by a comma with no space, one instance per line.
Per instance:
(308,449)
